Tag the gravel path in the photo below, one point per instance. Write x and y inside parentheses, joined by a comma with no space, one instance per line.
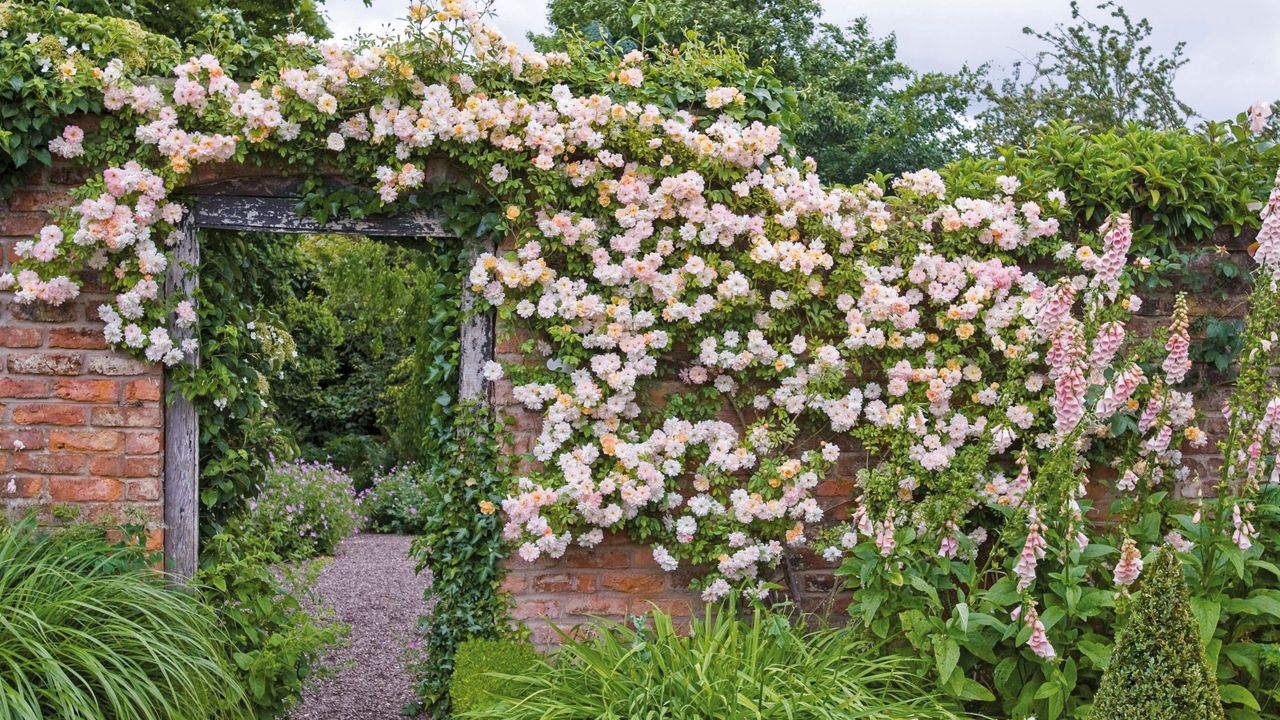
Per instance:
(371,585)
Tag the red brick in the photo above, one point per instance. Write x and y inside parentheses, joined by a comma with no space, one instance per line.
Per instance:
(49,414)
(514,584)
(533,609)
(145,489)
(596,605)
(146,416)
(20,337)
(124,467)
(24,486)
(84,489)
(23,388)
(46,313)
(676,607)
(145,389)
(21,224)
(44,200)
(81,338)
(30,439)
(609,558)
(834,489)
(90,440)
(87,390)
(564,583)
(49,463)
(633,583)
(142,443)
(45,364)
(118,365)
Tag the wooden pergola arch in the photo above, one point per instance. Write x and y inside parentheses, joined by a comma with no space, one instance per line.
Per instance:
(250,201)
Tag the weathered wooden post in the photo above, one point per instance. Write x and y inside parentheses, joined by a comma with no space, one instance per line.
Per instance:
(182,426)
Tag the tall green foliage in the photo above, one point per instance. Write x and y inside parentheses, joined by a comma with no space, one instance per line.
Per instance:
(181,19)
(243,345)
(767,667)
(461,544)
(87,632)
(376,329)
(1158,670)
(276,641)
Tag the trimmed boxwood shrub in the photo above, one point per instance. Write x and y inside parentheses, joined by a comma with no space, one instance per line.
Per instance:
(473,686)
(1158,669)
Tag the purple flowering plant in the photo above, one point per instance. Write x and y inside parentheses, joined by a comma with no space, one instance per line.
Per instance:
(302,509)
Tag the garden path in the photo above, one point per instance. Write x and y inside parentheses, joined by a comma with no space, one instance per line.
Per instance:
(371,585)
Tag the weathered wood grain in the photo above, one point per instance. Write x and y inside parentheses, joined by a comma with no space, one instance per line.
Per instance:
(280,214)
(182,429)
(477,333)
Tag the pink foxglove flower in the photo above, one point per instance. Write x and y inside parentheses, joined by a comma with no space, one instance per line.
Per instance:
(1056,309)
(1243,532)
(1118,393)
(1106,344)
(1068,400)
(1114,256)
(1039,640)
(1130,565)
(1178,361)
(1032,551)
(1268,253)
(885,540)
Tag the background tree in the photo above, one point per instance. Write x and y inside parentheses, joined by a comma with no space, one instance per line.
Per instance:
(180,19)
(860,109)
(1098,75)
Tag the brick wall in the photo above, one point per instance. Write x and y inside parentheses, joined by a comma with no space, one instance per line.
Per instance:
(621,578)
(80,425)
(89,421)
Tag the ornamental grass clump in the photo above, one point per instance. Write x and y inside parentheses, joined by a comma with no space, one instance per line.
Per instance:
(301,510)
(724,667)
(87,633)
(1158,669)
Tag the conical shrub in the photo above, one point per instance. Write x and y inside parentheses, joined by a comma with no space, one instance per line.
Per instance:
(1158,669)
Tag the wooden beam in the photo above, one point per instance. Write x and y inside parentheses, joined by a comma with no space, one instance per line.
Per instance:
(182,428)
(280,214)
(477,332)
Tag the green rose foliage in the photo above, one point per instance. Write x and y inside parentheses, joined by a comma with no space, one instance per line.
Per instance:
(47,61)
(1158,669)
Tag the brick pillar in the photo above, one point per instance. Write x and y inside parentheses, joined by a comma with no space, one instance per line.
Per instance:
(80,425)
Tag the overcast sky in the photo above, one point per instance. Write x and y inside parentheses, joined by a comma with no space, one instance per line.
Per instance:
(1233,45)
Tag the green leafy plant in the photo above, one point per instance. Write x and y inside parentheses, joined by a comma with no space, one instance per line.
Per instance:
(47,57)
(301,510)
(1158,669)
(275,625)
(478,667)
(88,633)
(464,550)
(395,500)
(725,666)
